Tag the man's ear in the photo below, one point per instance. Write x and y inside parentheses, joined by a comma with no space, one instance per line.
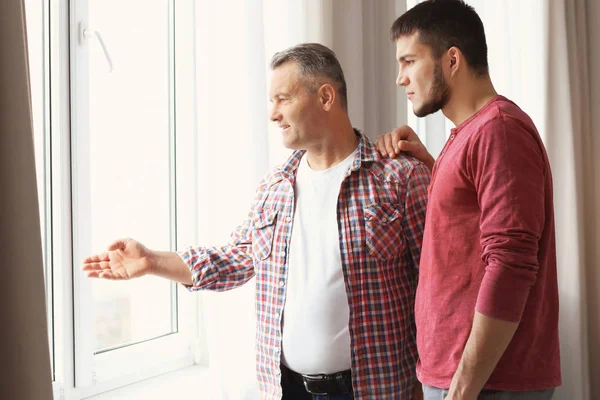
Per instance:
(455,60)
(327,96)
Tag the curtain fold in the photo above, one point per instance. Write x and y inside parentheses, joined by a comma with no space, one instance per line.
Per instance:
(23,337)
(588,13)
(568,113)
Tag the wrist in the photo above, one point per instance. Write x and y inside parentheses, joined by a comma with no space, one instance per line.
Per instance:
(459,395)
(429,161)
(461,388)
(152,263)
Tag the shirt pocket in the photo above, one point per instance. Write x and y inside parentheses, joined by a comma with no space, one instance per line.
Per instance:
(263,232)
(383,225)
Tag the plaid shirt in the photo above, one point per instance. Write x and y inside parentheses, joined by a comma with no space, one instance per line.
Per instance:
(381,213)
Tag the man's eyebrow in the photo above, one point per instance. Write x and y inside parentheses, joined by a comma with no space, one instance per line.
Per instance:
(277,95)
(280,94)
(405,56)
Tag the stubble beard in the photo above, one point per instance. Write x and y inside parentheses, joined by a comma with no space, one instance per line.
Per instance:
(439,94)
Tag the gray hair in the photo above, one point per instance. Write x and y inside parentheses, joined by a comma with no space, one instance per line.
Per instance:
(316,63)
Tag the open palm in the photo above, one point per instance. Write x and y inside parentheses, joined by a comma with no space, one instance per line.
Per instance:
(125,259)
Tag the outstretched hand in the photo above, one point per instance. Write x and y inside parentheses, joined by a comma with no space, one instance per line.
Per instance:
(403,139)
(125,259)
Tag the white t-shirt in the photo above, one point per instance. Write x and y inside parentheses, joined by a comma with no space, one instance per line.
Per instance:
(315,316)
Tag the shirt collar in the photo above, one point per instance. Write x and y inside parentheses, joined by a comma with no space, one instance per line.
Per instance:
(365,153)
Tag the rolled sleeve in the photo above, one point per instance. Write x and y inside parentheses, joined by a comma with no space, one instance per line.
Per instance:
(221,268)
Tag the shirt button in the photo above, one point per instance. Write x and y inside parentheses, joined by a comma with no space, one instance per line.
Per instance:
(282,283)
(288,219)
(282,253)
(451,137)
(384,219)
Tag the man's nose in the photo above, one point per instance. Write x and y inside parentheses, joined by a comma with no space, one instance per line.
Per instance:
(401,80)
(275,115)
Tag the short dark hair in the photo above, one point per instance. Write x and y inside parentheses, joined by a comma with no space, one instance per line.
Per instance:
(442,24)
(316,63)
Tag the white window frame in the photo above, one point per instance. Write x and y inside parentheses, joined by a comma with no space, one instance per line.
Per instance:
(78,373)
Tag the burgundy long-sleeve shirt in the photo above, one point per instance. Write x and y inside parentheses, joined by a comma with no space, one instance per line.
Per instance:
(489,247)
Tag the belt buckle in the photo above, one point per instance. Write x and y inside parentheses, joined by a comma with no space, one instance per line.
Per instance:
(313,377)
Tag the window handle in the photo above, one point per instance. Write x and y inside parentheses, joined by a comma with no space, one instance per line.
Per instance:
(91,34)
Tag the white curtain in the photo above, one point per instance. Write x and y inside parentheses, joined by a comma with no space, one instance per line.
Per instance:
(542,57)
(237,144)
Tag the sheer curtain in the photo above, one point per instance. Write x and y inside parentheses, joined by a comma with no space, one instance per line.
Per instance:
(541,57)
(237,144)
(23,337)
(591,164)
(569,142)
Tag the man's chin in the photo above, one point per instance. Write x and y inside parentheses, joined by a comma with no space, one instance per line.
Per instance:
(424,111)
(290,144)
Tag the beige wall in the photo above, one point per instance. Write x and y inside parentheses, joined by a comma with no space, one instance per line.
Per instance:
(593,202)
(23,332)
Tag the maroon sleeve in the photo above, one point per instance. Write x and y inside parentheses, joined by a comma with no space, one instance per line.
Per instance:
(508,167)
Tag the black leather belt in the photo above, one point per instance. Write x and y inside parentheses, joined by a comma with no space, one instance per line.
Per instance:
(321,384)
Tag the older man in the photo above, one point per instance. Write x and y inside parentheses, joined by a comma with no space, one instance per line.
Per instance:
(333,238)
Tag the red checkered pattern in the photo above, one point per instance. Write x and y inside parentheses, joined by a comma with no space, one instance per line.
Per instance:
(381,214)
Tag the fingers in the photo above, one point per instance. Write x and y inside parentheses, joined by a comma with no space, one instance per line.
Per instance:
(108,275)
(96,258)
(99,265)
(380,145)
(95,266)
(385,145)
(395,136)
(405,145)
(390,144)
(404,132)
(119,244)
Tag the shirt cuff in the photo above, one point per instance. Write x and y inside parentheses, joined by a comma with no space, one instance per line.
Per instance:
(192,257)
(503,293)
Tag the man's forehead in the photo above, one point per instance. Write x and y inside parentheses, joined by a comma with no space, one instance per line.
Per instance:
(283,79)
(409,44)
(287,71)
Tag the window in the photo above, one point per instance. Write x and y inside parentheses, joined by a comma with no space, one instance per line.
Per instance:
(109,153)
(124,158)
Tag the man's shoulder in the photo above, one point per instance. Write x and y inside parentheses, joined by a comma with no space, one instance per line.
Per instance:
(502,114)
(281,171)
(398,170)
(271,178)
